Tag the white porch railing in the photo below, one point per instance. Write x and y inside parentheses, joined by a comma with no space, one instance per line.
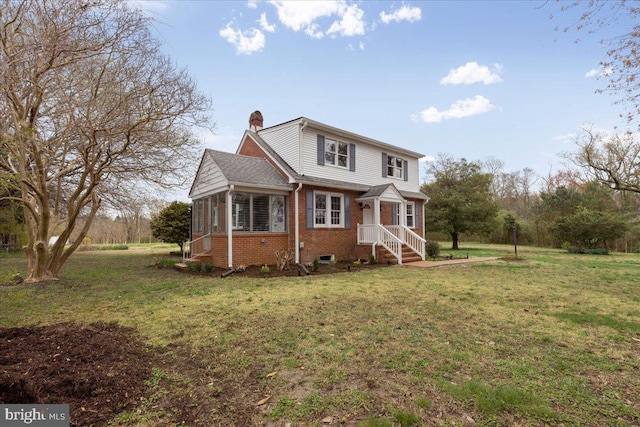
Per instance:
(201,244)
(377,234)
(409,238)
(392,237)
(390,242)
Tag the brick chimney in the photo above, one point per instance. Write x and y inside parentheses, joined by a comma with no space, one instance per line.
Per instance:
(255,121)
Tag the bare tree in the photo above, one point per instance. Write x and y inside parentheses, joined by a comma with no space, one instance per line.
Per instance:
(90,108)
(613,160)
(621,63)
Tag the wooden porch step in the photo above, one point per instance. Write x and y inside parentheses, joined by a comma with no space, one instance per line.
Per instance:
(408,255)
(201,256)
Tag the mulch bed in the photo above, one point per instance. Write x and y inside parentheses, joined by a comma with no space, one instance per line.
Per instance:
(98,369)
(255,271)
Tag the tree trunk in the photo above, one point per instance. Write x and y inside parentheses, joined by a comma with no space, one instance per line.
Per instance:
(454,246)
(39,265)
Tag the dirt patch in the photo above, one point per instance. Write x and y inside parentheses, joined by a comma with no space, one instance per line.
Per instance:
(98,369)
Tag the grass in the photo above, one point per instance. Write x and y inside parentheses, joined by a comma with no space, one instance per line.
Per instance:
(553,339)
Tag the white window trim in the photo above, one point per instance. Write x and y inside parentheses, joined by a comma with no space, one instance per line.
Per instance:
(413,214)
(327,216)
(406,214)
(198,215)
(401,168)
(236,214)
(335,153)
(213,211)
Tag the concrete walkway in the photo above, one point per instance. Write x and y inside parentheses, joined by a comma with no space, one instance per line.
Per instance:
(430,264)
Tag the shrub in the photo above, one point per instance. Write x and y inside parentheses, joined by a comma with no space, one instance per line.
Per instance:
(207,267)
(597,251)
(265,269)
(167,262)
(195,267)
(357,263)
(372,259)
(594,251)
(316,265)
(332,262)
(433,249)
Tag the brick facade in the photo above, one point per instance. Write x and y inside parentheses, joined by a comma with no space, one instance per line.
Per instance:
(256,248)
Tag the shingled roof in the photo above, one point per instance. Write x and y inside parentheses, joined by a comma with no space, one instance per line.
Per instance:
(247,170)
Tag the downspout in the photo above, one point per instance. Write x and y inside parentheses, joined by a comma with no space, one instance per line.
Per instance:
(230,226)
(297,223)
(300,171)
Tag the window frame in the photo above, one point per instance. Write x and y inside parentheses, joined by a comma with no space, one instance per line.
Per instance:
(328,210)
(392,164)
(269,215)
(411,215)
(336,153)
(198,218)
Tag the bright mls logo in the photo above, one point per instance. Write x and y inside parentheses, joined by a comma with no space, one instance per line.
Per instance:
(34,415)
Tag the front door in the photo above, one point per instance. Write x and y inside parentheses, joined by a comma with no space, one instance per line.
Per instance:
(367,214)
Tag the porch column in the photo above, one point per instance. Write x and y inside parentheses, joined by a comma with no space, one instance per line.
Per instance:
(376,211)
(230,227)
(402,213)
(376,223)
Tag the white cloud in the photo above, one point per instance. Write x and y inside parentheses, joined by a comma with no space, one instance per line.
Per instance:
(472,72)
(598,72)
(351,24)
(150,6)
(252,4)
(265,25)
(246,42)
(352,48)
(405,13)
(303,16)
(594,72)
(314,31)
(459,109)
(298,15)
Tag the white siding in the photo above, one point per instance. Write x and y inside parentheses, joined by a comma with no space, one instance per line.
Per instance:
(284,140)
(368,164)
(209,179)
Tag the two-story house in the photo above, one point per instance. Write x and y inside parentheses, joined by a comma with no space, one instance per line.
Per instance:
(309,188)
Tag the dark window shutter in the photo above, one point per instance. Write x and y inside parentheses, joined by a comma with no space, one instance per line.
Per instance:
(405,166)
(416,214)
(309,204)
(352,157)
(394,214)
(347,212)
(321,150)
(384,165)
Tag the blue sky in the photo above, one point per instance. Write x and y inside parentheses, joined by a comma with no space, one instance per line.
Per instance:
(472,79)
